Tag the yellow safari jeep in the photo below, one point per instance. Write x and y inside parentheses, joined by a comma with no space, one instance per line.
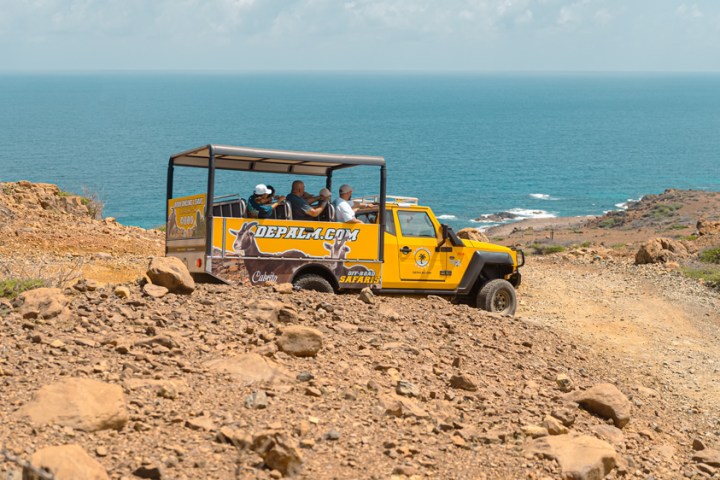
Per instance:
(400,248)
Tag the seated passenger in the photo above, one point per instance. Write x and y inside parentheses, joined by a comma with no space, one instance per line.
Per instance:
(261,204)
(344,212)
(300,203)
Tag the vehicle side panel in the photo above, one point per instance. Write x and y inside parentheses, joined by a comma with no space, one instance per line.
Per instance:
(255,251)
(186,231)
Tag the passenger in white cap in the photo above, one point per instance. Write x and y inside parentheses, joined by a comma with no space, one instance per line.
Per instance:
(260,204)
(344,212)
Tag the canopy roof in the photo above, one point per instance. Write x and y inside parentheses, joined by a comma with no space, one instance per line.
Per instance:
(272,161)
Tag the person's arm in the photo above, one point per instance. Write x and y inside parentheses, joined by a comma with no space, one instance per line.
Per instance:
(278,202)
(314,212)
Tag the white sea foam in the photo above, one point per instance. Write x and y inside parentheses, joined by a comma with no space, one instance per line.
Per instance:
(624,205)
(447,217)
(542,196)
(525,213)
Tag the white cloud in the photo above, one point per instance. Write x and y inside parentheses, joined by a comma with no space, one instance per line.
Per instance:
(691,11)
(603,16)
(482,34)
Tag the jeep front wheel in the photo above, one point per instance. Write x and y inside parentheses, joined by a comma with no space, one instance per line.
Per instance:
(313,282)
(497,296)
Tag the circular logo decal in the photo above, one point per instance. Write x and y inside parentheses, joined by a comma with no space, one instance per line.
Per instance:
(422,257)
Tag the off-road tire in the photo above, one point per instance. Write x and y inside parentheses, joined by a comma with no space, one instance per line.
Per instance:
(497,296)
(313,282)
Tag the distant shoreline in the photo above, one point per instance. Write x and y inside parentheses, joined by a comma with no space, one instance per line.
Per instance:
(537,223)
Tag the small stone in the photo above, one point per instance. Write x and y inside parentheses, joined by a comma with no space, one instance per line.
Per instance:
(458,441)
(606,401)
(307,443)
(257,400)
(148,471)
(332,435)
(313,392)
(565,415)
(101,451)
(300,341)
(554,426)
(200,423)
(367,296)
(57,344)
(278,451)
(709,456)
(534,431)
(463,382)
(305,376)
(407,389)
(283,288)
(122,291)
(698,445)
(564,383)
(155,291)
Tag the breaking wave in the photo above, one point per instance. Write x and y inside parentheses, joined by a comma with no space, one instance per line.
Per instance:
(624,205)
(447,217)
(542,196)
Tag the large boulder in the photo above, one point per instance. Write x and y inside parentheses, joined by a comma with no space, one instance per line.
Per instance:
(171,273)
(66,462)
(708,227)
(249,369)
(605,400)
(45,303)
(660,250)
(473,234)
(80,403)
(581,457)
(300,341)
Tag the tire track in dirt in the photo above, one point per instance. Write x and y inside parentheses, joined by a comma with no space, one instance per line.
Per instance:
(662,323)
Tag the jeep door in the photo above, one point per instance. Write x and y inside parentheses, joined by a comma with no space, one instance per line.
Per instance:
(418,260)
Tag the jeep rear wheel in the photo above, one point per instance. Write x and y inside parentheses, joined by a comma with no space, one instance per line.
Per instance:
(313,282)
(497,296)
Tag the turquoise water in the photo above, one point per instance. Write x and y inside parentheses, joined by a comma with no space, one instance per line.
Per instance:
(468,145)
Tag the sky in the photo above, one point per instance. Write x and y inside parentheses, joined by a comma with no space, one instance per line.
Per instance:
(385,35)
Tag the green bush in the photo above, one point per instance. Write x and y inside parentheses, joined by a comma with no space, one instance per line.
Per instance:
(546,249)
(585,245)
(711,255)
(609,222)
(12,287)
(709,275)
(663,210)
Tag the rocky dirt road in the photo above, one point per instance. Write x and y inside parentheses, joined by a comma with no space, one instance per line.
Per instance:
(207,386)
(645,318)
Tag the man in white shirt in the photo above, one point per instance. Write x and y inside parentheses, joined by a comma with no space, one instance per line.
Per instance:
(344,212)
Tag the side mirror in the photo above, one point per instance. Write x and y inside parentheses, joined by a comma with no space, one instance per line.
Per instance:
(444,228)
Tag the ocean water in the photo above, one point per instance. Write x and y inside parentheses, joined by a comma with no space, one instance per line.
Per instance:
(468,145)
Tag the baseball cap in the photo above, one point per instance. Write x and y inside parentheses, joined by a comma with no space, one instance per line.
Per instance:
(325,193)
(344,188)
(261,189)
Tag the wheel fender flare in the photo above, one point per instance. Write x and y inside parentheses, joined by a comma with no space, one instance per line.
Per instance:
(317,269)
(477,264)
